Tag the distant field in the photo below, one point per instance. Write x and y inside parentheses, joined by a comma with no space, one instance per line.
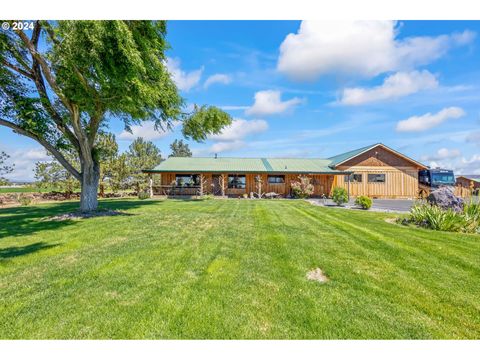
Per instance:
(8,190)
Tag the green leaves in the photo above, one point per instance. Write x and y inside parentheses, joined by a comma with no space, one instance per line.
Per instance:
(4,169)
(115,66)
(205,121)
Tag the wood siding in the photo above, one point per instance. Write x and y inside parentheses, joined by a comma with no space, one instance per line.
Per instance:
(467,183)
(401,175)
(399,183)
(323,184)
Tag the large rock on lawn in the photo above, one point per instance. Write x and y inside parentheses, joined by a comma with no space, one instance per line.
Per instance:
(445,198)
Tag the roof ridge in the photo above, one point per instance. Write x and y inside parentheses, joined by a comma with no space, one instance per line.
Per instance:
(242,157)
(363,148)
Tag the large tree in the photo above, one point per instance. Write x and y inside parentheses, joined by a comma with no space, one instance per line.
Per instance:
(61,83)
(180,149)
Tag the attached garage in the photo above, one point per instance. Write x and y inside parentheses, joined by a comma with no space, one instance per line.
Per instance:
(379,172)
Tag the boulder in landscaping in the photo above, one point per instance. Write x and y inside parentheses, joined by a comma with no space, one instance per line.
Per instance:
(445,198)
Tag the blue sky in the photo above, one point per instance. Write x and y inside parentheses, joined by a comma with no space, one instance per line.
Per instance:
(317,89)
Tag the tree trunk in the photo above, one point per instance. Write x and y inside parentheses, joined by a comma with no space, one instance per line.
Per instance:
(89,183)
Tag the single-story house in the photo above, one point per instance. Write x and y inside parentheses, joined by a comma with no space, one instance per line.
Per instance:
(469,181)
(376,171)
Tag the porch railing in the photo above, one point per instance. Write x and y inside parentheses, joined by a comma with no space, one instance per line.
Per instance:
(174,190)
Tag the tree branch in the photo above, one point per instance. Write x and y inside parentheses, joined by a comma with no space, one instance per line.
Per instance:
(57,154)
(42,92)
(36,33)
(25,73)
(97,117)
(85,148)
(45,69)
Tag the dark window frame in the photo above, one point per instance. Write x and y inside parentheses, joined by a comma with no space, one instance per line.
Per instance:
(375,180)
(276,177)
(352,178)
(237,184)
(195,177)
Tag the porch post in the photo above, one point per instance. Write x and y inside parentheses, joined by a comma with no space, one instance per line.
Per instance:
(150,184)
(348,188)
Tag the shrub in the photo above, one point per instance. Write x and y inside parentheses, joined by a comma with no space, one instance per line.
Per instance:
(302,188)
(339,196)
(142,195)
(206,197)
(435,218)
(24,200)
(364,202)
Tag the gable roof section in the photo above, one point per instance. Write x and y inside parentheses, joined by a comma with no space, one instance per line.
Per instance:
(246,165)
(475,178)
(341,158)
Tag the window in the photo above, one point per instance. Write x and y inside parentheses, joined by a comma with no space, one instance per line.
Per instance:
(376,178)
(236,181)
(276,179)
(443,179)
(187,180)
(356,178)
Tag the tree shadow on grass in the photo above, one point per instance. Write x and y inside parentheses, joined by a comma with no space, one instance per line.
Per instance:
(14,251)
(27,220)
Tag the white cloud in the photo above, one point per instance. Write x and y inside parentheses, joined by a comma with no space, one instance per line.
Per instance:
(234,107)
(365,48)
(429,120)
(146,131)
(394,86)
(443,154)
(225,146)
(184,80)
(217,78)
(468,166)
(459,165)
(24,161)
(269,102)
(233,137)
(239,129)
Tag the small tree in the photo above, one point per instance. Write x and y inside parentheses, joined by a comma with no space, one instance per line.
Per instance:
(120,172)
(52,175)
(142,155)
(180,149)
(339,195)
(259,182)
(4,169)
(108,153)
(302,188)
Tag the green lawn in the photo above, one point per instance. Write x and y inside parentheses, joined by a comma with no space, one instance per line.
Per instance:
(232,269)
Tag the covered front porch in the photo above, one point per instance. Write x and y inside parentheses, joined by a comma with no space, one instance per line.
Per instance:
(174,184)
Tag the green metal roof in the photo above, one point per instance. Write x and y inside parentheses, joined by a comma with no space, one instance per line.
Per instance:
(245,165)
(340,158)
